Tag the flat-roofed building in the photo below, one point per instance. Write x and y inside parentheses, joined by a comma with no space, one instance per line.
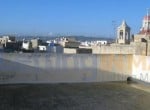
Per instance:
(5,39)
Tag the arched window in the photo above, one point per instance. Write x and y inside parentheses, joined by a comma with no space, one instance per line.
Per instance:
(126,36)
(121,34)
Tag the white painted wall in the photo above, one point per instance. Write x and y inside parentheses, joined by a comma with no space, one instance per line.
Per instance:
(141,68)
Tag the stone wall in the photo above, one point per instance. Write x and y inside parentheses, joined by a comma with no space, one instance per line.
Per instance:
(60,68)
(113,49)
(148,48)
(135,48)
(140,48)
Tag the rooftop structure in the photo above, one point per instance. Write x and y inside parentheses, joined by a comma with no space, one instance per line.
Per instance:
(69,43)
(5,39)
(123,33)
(144,34)
(145,29)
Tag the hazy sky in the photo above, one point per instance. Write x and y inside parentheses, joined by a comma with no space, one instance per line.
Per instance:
(70,17)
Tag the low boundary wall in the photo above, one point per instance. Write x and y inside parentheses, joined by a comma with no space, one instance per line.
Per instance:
(63,68)
(141,68)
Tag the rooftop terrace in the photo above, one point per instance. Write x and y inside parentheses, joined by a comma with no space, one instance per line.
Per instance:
(85,96)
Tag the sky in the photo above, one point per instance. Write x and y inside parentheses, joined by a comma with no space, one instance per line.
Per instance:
(70,17)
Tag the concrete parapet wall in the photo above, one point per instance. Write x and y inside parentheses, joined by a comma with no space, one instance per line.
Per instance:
(58,68)
(121,64)
(141,68)
(63,68)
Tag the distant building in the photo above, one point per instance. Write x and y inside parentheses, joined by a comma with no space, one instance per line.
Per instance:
(101,42)
(69,43)
(35,43)
(77,51)
(140,44)
(144,34)
(5,39)
(123,34)
(42,48)
(55,49)
(27,46)
(12,46)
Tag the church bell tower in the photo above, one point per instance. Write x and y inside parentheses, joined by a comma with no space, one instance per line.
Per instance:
(123,34)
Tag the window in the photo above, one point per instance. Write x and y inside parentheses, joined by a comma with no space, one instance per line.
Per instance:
(121,34)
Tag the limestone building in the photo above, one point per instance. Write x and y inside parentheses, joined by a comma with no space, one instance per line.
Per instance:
(140,44)
(144,34)
(5,39)
(123,34)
